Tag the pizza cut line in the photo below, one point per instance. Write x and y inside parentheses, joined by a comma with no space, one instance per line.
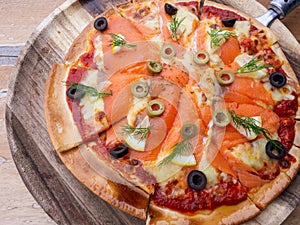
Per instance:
(176,117)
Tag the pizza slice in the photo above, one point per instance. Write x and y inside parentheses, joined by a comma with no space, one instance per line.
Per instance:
(73,104)
(94,172)
(109,43)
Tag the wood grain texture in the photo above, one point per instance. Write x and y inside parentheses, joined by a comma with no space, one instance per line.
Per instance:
(17,205)
(61,195)
(22,19)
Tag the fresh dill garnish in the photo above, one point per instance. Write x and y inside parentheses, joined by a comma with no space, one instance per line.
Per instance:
(219,36)
(253,65)
(174,26)
(140,132)
(88,90)
(183,146)
(119,41)
(249,125)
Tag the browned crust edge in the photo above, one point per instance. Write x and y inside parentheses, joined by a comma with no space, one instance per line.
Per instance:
(286,65)
(264,195)
(110,187)
(63,131)
(234,214)
(295,151)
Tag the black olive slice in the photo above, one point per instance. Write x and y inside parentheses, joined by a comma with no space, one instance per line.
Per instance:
(229,22)
(100,24)
(119,151)
(170,9)
(275,149)
(285,164)
(197,180)
(75,93)
(277,79)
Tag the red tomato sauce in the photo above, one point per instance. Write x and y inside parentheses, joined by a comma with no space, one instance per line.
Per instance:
(210,11)
(75,76)
(225,193)
(87,58)
(130,167)
(286,110)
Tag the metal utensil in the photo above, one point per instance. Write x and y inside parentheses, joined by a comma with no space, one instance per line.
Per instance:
(278,9)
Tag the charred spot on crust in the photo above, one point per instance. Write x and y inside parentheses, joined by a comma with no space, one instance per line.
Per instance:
(99,116)
(141,13)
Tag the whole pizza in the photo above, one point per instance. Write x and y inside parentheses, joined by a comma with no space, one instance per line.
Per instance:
(177,112)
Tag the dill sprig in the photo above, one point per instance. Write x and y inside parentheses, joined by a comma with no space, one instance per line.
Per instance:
(140,132)
(119,41)
(218,36)
(249,124)
(88,90)
(183,146)
(253,65)
(174,26)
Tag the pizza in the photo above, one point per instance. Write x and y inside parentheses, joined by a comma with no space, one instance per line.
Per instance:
(177,113)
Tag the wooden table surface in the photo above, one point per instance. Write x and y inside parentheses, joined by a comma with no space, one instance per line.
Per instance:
(19,19)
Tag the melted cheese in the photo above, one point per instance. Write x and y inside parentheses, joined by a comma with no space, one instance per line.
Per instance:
(99,57)
(242,28)
(163,173)
(135,109)
(207,85)
(245,58)
(209,171)
(188,25)
(279,94)
(92,104)
(138,105)
(253,155)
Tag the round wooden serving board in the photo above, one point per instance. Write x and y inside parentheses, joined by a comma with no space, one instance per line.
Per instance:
(61,195)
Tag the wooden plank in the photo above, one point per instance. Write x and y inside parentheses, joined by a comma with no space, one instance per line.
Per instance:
(17,29)
(17,205)
(23,18)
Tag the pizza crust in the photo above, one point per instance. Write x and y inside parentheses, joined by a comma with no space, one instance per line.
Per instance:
(286,66)
(63,131)
(295,151)
(234,214)
(111,186)
(264,195)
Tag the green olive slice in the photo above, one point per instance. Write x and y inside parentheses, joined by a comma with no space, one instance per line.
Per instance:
(221,117)
(201,57)
(155,108)
(154,67)
(168,51)
(225,77)
(188,130)
(139,89)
